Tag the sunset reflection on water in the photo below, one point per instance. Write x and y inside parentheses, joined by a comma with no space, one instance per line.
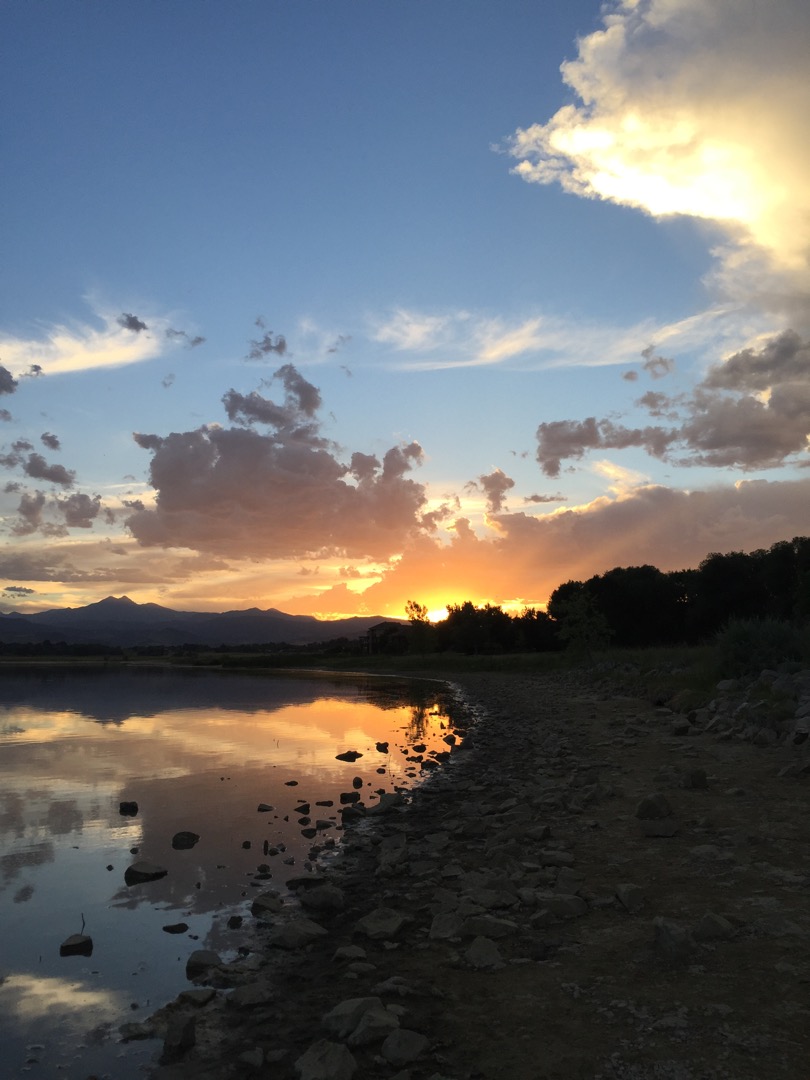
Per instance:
(73,747)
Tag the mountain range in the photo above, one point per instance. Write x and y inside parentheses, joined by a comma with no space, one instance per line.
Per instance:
(120,621)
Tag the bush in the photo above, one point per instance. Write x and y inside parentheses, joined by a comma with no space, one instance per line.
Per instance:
(747,646)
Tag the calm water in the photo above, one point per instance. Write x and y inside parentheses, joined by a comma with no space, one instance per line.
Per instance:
(196,751)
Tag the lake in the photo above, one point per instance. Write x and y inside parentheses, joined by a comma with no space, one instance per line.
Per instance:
(197,751)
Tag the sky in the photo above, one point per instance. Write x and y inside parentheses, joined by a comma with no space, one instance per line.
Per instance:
(326,307)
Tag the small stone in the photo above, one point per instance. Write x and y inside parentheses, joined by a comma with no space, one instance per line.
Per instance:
(264,807)
(380,924)
(296,934)
(652,807)
(182,841)
(714,927)
(144,871)
(76,945)
(630,897)
(128,809)
(175,928)
(266,904)
(348,755)
(672,939)
(375,1024)
(658,826)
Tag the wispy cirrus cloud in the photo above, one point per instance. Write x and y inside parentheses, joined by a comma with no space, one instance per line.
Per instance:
(115,339)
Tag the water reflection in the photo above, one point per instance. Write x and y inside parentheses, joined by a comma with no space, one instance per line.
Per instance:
(198,752)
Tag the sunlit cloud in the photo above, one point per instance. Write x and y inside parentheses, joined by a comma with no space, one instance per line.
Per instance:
(689,108)
(121,339)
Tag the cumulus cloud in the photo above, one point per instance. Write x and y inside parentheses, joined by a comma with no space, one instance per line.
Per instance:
(181,336)
(8,384)
(18,590)
(50,440)
(267,345)
(751,411)
(495,486)
(539,499)
(38,468)
(685,107)
(281,493)
(656,365)
(79,510)
(30,511)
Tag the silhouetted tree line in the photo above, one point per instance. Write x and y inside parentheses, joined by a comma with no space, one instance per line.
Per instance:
(636,606)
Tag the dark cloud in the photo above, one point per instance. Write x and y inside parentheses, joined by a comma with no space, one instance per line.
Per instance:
(30,512)
(495,486)
(8,384)
(655,365)
(546,498)
(18,590)
(267,345)
(181,335)
(38,469)
(51,441)
(563,439)
(5,415)
(21,445)
(167,381)
(630,376)
(750,412)
(340,341)
(282,493)
(34,372)
(79,511)
(131,322)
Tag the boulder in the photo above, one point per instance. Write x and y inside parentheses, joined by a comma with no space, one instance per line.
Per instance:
(182,841)
(380,924)
(200,962)
(76,945)
(326,1060)
(402,1047)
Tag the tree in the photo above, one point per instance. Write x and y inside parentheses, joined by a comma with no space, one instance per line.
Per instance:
(421,628)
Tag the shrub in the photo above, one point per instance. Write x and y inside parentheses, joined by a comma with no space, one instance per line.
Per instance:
(746,646)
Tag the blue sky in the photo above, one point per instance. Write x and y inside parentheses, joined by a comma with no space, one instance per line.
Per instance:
(509,324)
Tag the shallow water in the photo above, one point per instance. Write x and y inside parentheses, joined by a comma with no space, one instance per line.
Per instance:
(197,751)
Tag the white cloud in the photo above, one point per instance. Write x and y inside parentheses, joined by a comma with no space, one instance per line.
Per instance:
(693,108)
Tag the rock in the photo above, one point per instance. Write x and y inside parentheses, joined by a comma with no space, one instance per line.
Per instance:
(403,1046)
(144,871)
(344,1017)
(324,898)
(630,897)
(296,934)
(653,807)
(714,927)
(251,994)
(380,924)
(387,801)
(253,1058)
(382,747)
(175,928)
(77,945)
(182,841)
(326,1060)
(181,1035)
(445,925)
(264,808)
(198,997)
(200,962)
(556,858)
(483,954)
(563,905)
(128,809)
(348,755)
(374,1026)
(658,826)
(266,904)
(128,1032)
(671,939)
(695,780)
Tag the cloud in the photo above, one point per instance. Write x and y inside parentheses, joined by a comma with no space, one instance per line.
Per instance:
(168,380)
(751,411)
(49,440)
(79,510)
(38,469)
(495,486)
(81,347)
(529,556)
(8,384)
(283,493)
(685,107)
(131,322)
(30,516)
(655,365)
(267,345)
(546,498)
(181,336)
(18,590)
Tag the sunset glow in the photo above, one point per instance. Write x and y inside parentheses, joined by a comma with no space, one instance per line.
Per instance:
(258,348)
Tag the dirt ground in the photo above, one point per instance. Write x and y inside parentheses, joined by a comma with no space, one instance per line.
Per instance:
(522,842)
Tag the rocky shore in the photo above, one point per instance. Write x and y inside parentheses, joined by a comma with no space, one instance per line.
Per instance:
(597,885)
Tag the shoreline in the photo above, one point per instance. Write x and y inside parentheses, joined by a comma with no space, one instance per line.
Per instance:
(525,925)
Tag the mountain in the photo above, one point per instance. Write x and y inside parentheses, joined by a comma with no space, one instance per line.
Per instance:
(120,621)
